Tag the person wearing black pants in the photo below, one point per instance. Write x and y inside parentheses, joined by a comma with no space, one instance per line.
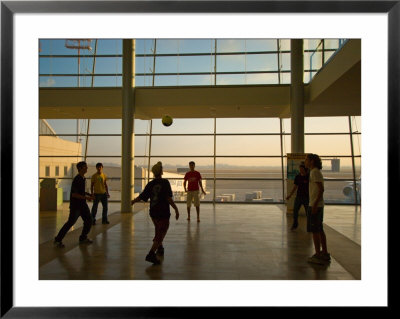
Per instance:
(302,196)
(77,207)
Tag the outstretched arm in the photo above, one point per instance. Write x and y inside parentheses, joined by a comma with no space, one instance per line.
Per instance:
(293,190)
(172,203)
(136,200)
(87,196)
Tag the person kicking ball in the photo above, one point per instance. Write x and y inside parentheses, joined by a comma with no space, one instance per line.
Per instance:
(160,193)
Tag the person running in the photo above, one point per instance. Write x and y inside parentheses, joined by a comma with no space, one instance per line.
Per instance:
(160,193)
(77,207)
(99,190)
(193,179)
(315,212)
(301,185)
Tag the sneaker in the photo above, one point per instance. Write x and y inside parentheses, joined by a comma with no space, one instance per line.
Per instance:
(151,257)
(316,259)
(105,222)
(325,256)
(58,244)
(160,251)
(86,241)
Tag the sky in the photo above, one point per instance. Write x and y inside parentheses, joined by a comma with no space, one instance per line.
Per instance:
(112,65)
(226,145)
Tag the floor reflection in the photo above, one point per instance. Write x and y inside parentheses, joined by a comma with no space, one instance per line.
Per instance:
(232,242)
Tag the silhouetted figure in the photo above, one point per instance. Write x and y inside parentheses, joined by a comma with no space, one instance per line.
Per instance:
(99,190)
(160,193)
(301,185)
(315,213)
(193,179)
(77,207)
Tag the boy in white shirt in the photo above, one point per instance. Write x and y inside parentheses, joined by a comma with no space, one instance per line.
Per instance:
(315,212)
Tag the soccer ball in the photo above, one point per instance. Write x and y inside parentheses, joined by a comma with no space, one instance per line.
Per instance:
(166,120)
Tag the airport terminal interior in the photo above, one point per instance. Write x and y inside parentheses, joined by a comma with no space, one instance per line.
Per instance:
(246,111)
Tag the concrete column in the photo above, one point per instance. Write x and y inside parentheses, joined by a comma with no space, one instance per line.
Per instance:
(128,136)
(297,95)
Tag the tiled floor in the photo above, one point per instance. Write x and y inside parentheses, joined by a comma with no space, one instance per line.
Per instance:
(232,242)
(345,220)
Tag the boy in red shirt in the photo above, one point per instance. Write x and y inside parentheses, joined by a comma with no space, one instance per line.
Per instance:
(193,179)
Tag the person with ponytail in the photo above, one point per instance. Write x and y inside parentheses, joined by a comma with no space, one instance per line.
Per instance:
(315,212)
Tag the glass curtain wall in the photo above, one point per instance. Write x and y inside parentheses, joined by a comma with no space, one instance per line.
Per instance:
(337,140)
(241,160)
(178,62)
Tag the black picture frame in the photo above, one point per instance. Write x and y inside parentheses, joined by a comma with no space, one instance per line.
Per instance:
(9,8)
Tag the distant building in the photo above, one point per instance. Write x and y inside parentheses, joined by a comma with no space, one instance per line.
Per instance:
(57,167)
(63,169)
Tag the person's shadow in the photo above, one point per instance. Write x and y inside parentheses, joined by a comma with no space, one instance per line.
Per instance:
(192,253)
(320,271)
(75,272)
(155,271)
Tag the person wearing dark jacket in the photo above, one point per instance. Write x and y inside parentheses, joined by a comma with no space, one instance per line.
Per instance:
(77,207)
(160,193)
(302,197)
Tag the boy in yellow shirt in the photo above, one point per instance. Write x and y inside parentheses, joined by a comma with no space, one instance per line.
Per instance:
(99,190)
